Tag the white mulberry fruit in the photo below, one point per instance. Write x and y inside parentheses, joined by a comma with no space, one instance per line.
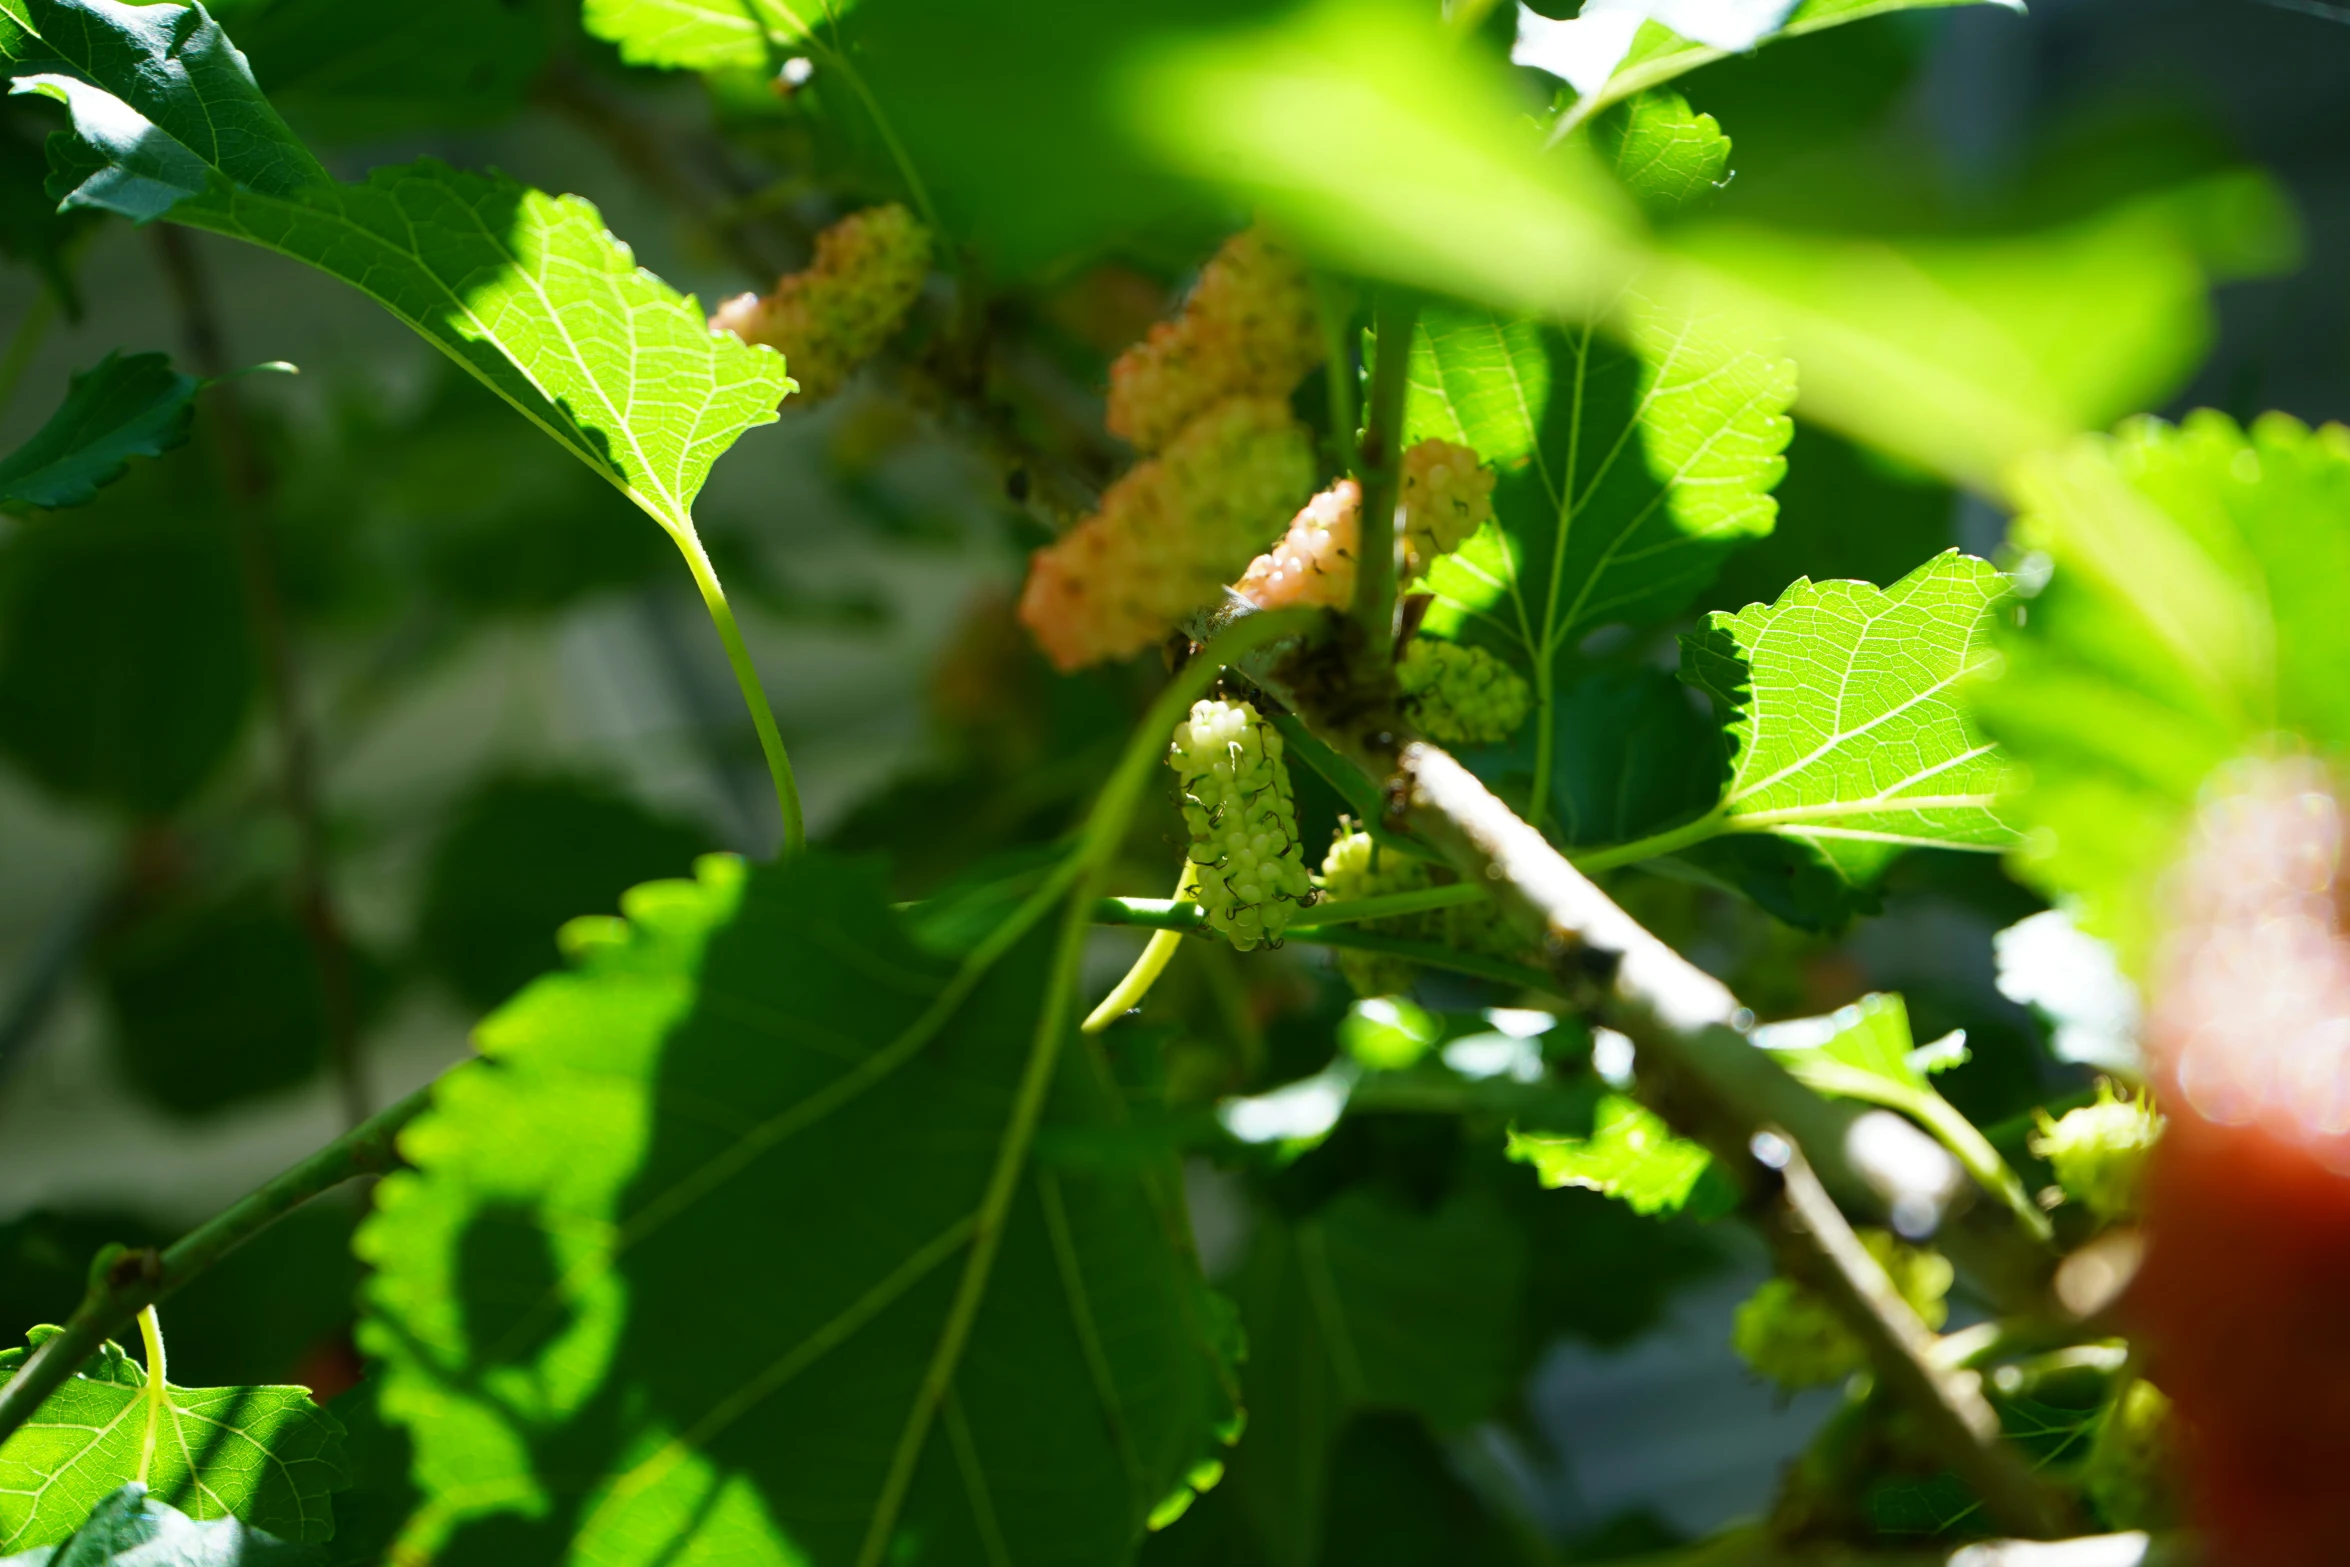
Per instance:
(1169,535)
(1243,821)
(1249,329)
(835,315)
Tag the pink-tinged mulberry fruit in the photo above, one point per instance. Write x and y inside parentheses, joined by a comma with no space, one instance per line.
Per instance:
(1249,329)
(832,317)
(1446,497)
(1314,563)
(1169,534)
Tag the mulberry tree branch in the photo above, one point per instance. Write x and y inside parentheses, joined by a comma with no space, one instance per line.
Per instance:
(124,1282)
(1698,1068)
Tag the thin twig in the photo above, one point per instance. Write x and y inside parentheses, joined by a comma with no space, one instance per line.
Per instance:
(1818,1246)
(123,1282)
(248,484)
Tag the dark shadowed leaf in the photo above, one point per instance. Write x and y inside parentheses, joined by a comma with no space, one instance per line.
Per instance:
(723,1130)
(120,408)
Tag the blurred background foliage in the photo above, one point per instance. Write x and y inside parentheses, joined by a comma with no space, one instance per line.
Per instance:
(512,711)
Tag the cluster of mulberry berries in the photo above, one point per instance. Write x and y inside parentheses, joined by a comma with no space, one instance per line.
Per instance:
(1249,329)
(1447,495)
(1243,821)
(1461,695)
(1795,1338)
(1169,534)
(834,316)
(2099,1151)
(1356,868)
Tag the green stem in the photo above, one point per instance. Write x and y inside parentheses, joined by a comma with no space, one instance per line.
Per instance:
(1164,914)
(1157,953)
(746,675)
(1982,1161)
(151,1332)
(1170,913)
(124,1282)
(1655,846)
(1380,469)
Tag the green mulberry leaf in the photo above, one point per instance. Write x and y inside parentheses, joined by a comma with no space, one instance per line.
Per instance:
(1627,472)
(1630,1155)
(704,35)
(675,1279)
(1368,1304)
(1848,731)
(117,409)
(1668,155)
(1865,1052)
(525,290)
(266,1455)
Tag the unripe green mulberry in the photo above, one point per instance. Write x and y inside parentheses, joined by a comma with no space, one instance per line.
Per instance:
(1798,1340)
(2128,1473)
(1461,695)
(832,317)
(1243,821)
(1357,867)
(1248,330)
(1169,534)
(1446,497)
(2099,1151)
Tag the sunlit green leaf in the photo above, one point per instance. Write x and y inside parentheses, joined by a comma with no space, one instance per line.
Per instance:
(1668,155)
(2190,614)
(727,1116)
(266,1455)
(1630,1155)
(705,35)
(117,409)
(525,290)
(1865,1052)
(1848,731)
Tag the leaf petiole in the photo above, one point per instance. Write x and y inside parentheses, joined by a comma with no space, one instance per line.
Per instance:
(151,1331)
(746,675)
